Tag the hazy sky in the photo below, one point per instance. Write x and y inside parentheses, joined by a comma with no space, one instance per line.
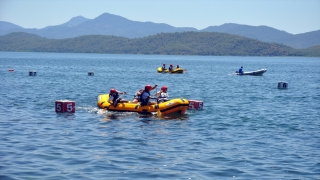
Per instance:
(292,16)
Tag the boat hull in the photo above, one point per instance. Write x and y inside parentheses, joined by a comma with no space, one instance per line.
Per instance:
(177,105)
(253,73)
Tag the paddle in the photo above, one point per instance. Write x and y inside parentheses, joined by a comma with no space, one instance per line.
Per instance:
(118,99)
(158,111)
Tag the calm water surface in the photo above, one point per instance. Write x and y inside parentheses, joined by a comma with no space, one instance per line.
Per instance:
(248,128)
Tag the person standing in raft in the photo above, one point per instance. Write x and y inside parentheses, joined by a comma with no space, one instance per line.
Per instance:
(145,95)
(162,95)
(240,70)
(114,97)
(170,67)
(164,67)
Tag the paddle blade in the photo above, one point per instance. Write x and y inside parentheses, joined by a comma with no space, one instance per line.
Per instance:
(159,113)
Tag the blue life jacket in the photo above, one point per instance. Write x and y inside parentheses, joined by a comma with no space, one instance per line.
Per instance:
(115,98)
(240,71)
(144,101)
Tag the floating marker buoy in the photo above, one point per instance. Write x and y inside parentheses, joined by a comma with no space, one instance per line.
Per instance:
(63,106)
(195,104)
(282,85)
(90,74)
(32,73)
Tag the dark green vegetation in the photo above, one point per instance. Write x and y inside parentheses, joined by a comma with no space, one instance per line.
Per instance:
(186,43)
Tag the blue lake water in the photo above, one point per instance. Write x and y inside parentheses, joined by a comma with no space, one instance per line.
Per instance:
(248,128)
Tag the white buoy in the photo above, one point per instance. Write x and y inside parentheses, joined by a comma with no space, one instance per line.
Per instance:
(63,106)
(32,73)
(195,104)
(90,73)
(282,85)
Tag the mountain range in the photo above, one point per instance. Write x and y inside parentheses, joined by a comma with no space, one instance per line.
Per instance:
(113,25)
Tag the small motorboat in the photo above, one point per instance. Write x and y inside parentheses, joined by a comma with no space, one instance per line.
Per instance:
(177,70)
(177,105)
(253,73)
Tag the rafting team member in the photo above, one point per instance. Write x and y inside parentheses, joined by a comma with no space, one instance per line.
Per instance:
(137,95)
(164,67)
(114,97)
(170,67)
(177,67)
(240,70)
(162,95)
(145,95)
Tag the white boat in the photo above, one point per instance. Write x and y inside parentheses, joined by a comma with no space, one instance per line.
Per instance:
(253,73)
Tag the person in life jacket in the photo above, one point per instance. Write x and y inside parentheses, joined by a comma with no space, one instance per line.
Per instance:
(240,70)
(163,67)
(162,95)
(114,97)
(136,97)
(145,95)
(177,67)
(170,67)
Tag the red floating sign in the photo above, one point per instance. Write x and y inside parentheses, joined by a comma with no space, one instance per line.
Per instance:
(63,106)
(195,104)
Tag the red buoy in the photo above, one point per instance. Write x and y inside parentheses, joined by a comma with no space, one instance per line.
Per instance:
(195,104)
(63,106)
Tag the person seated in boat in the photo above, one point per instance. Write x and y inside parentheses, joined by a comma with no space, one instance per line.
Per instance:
(162,95)
(170,67)
(114,98)
(164,67)
(145,95)
(177,67)
(137,95)
(240,70)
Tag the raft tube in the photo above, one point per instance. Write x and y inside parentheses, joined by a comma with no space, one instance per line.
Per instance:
(177,70)
(177,105)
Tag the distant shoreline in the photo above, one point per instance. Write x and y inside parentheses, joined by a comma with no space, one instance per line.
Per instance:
(185,43)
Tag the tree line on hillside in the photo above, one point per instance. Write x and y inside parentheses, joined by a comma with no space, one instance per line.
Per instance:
(186,43)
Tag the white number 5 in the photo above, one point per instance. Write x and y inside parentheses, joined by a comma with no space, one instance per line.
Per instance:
(69,107)
(58,108)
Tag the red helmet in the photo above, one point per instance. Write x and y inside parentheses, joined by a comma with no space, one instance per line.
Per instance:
(170,64)
(148,87)
(164,88)
(113,90)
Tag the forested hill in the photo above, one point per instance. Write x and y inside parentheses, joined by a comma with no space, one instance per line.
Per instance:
(185,43)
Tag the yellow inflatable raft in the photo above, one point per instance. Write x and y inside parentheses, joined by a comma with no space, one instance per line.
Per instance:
(177,70)
(172,106)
